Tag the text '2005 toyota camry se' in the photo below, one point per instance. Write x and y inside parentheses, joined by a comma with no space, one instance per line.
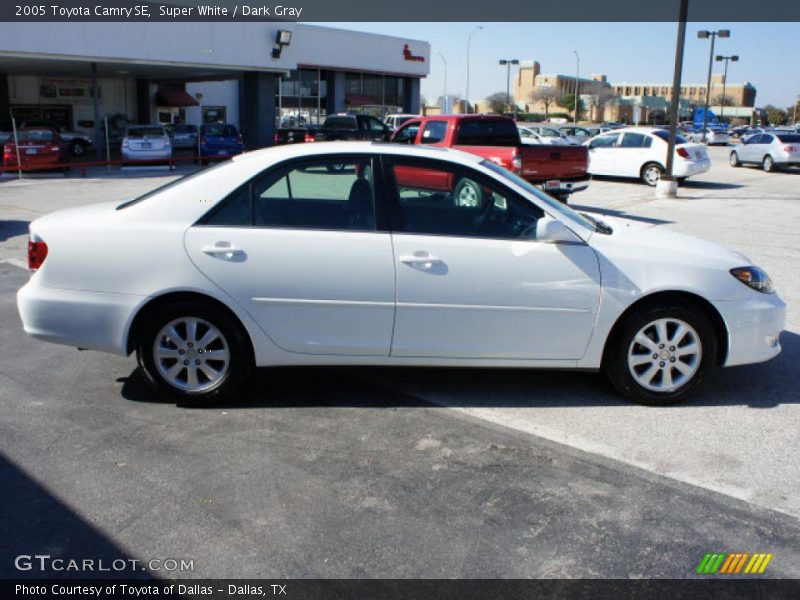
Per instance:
(371,254)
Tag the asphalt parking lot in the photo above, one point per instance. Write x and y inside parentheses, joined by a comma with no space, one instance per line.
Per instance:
(408,472)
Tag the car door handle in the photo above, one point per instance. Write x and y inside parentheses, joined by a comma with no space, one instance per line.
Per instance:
(224,249)
(420,258)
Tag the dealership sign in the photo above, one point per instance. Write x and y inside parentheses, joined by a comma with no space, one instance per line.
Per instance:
(407,55)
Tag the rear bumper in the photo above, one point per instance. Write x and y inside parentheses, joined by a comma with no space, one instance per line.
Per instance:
(208,150)
(754,327)
(564,186)
(146,155)
(91,320)
(687,168)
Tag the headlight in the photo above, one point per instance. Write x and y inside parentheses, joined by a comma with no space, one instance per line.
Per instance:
(755,278)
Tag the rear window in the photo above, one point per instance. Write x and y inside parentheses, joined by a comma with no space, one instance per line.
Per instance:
(789,139)
(140,132)
(35,135)
(342,122)
(664,135)
(226,130)
(483,132)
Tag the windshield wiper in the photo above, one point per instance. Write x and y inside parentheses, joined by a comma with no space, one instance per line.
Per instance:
(599,226)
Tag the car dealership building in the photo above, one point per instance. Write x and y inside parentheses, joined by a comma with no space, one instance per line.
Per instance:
(256,75)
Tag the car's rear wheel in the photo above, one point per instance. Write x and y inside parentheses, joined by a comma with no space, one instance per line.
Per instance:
(78,148)
(768,164)
(468,193)
(193,354)
(660,354)
(734,160)
(651,174)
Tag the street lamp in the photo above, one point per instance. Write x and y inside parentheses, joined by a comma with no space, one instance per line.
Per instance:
(704,35)
(444,91)
(507,62)
(577,77)
(720,58)
(469,42)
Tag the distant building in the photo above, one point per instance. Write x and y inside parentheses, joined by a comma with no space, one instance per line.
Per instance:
(529,79)
(740,94)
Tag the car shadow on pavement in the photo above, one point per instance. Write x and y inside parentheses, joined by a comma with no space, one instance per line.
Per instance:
(34,521)
(709,185)
(764,385)
(12,228)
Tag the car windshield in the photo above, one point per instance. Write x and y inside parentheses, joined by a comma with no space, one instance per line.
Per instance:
(226,130)
(35,135)
(664,135)
(142,132)
(557,206)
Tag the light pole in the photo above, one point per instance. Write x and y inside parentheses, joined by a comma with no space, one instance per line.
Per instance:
(469,42)
(577,83)
(704,35)
(507,62)
(444,91)
(668,186)
(720,58)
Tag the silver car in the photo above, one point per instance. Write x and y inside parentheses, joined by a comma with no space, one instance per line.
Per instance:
(550,135)
(183,136)
(529,136)
(714,137)
(771,150)
(575,135)
(146,143)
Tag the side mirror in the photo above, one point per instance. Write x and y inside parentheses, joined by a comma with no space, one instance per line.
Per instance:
(549,229)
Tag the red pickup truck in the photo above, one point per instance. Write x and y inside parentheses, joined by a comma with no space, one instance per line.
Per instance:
(559,170)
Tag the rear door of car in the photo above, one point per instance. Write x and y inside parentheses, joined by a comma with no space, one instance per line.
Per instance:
(633,151)
(303,250)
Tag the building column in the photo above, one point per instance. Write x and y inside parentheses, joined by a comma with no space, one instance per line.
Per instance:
(336,92)
(98,152)
(412,96)
(5,100)
(257,97)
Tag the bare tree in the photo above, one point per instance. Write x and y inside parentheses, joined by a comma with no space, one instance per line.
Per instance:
(545,95)
(720,100)
(600,97)
(497,102)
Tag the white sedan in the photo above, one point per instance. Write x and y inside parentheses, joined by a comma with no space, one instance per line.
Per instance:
(641,153)
(358,254)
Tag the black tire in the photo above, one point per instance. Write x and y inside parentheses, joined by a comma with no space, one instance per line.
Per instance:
(734,160)
(233,338)
(768,164)
(335,167)
(468,193)
(616,356)
(78,148)
(649,171)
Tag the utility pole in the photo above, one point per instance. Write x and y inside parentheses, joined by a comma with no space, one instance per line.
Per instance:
(720,58)
(704,35)
(507,62)
(577,88)
(444,90)
(466,95)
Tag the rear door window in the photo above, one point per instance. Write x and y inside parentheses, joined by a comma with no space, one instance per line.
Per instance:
(434,132)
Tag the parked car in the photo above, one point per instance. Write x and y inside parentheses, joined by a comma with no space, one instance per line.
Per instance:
(394,121)
(751,132)
(575,135)
(531,137)
(713,137)
(307,266)
(641,153)
(182,136)
(770,150)
(39,148)
(77,143)
(551,133)
(146,143)
(219,140)
(6,133)
(353,127)
(560,170)
(593,131)
(298,135)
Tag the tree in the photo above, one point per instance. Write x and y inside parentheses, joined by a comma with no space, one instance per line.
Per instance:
(568,102)
(794,111)
(775,115)
(545,96)
(720,100)
(600,97)
(498,102)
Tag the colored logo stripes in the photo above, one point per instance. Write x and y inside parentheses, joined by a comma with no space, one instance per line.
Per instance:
(733,563)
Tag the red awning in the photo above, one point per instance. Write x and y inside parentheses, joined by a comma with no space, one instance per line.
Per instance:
(359,100)
(177,98)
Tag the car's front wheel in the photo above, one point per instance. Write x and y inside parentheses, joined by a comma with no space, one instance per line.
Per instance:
(734,160)
(660,354)
(193,354)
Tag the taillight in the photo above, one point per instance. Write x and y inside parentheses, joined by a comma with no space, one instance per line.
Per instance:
(682,152)
(516,164)
(277,139)
(789,149)
(37,252)
(54,148)
(309,137)
(203,140)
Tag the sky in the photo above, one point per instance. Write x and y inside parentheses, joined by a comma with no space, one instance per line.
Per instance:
(625,52)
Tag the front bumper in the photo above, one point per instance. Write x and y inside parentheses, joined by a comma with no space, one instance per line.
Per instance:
(754,326)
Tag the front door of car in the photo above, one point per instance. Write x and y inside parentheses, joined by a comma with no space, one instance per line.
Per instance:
(749,149)
(602,154)
(472,280)
(299,249)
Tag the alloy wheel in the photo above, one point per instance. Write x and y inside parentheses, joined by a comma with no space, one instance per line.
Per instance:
(191,354)
(664,355)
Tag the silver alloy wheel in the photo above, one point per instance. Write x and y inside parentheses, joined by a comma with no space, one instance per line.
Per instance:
(768,164)
(652,175)
(191,354)
(664,355)
(734,159)
(467,196)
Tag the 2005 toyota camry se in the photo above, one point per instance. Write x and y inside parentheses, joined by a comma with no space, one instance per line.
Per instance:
(371,254)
